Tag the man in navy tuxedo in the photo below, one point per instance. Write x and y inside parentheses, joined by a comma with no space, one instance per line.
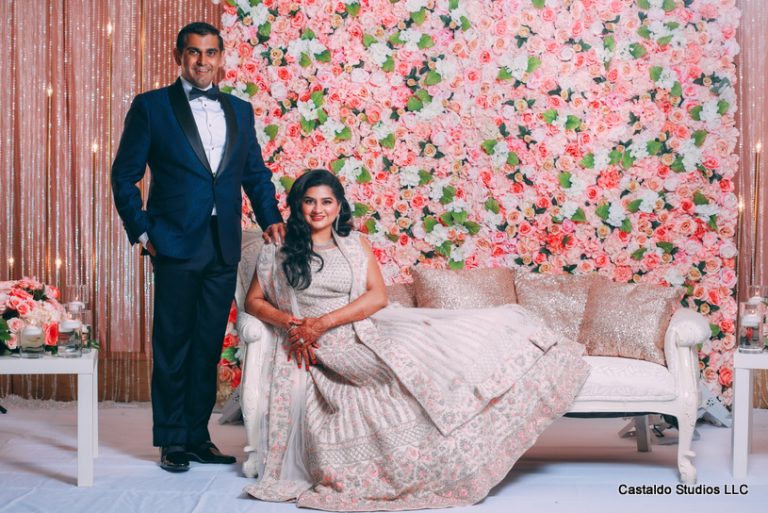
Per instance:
(201,148)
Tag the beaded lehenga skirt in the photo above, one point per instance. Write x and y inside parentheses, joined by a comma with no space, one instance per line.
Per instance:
(431,410)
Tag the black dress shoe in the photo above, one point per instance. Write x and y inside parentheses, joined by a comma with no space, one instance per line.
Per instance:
(206,452)
(174,458)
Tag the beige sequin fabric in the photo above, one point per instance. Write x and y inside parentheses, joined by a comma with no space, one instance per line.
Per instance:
(474,288)
(559,300)
(401,294)
(628,320)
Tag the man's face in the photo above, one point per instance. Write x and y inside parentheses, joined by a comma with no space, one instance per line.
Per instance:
(200,60)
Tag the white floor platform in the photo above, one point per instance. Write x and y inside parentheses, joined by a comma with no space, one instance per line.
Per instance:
(576,466)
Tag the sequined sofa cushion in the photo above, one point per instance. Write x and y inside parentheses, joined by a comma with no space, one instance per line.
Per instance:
(401,294)
(628,319)
(559,300)
(472,288)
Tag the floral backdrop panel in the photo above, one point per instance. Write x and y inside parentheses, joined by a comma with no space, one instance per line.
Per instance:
(563,136)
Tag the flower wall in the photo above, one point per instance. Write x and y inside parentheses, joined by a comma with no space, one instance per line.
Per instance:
(559,136)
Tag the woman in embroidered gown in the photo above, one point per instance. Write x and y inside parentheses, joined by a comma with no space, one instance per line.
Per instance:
(370,408)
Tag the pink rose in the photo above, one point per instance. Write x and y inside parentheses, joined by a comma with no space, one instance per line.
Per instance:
(726,376)
(25,307)
(51,334)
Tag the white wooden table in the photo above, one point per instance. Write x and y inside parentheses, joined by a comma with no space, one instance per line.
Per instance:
(744,364)
(86,368)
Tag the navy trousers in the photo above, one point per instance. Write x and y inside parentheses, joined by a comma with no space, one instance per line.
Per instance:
(192,303)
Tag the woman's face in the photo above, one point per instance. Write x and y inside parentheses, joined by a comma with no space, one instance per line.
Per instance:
(320,208)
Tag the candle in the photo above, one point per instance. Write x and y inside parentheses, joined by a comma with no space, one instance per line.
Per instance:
(58,268)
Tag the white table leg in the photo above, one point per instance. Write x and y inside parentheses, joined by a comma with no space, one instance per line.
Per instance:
(95,385)
(85,416)
(742,406)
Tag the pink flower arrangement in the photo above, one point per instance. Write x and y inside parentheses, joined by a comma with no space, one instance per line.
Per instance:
(28,301)
(564,137)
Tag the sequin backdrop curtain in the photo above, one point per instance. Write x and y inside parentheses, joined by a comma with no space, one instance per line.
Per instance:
(752,119)
(55,154)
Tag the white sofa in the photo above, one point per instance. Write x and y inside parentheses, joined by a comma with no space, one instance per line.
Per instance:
(615,385)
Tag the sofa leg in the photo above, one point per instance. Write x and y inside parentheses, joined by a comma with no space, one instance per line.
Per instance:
(686,427)
(642,433)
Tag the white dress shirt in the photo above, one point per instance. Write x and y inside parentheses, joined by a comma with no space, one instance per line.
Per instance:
(212,127)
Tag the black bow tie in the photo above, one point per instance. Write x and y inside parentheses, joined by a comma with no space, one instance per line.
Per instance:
(211,93)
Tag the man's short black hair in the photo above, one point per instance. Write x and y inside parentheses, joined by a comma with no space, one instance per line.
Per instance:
(200,28)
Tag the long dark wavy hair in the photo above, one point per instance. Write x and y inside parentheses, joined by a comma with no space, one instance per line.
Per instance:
(298,249)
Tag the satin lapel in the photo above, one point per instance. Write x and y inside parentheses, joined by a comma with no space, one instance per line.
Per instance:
(183,113)
(229,115)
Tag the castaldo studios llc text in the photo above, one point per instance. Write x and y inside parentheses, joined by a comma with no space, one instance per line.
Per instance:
(683,489)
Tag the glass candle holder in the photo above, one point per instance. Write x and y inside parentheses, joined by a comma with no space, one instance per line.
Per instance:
(32,342)
(751,327)
(70,342)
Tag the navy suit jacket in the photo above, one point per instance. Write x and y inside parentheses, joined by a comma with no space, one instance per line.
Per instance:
(160,131)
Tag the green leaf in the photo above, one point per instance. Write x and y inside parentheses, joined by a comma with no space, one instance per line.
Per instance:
(664,41)
(677,90)
(695,112)
(459,217)
(344,135)
(472,227)
(429,223)
(579,216)
(453,5)
(504,74)
(432,78)
(533,64)
(634,206)
(228,354)
(588,161)
(638,254)
(513,159)
(336,165)
(389,64)
(265,30)
(453,264)
(423,95)
(609,43)
(626,226)
(368,40)
(655,72)
(565,180)
(271,131)
(307,126)
(308,34)
(444,248)
(637,50)
(414,104)
(699,136)
(644,4)
(572,122)
(644,32)
(712,223)
(388,141)
(449,192)
(549,116)
(667,247)
(226,89)
(364,176)
(360,209)
(653,147)
(251,89)
(714,330)
(317,98)
(286,182)
(492,205)
(700,199)
(465,23)
(627,160)
(668,5)
(419,16)
(722,107)
(602,211)
(538,4)
(395,39)
(370,226)
(304,60)
(488,146)
(614,157)
(424,177)
(324,56)
(425,42)
(322,117)
(353,9)
(677,166)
